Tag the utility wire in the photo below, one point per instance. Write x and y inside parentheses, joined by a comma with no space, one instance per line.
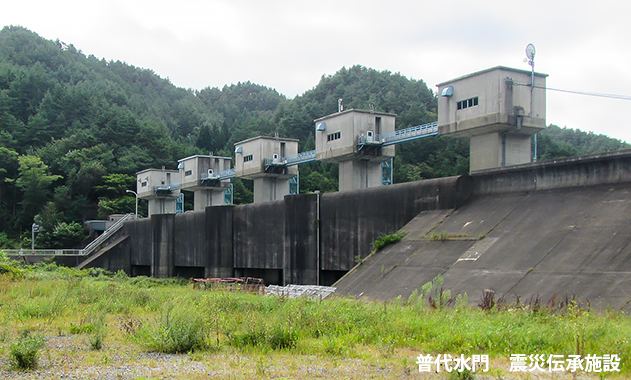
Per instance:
(610,96)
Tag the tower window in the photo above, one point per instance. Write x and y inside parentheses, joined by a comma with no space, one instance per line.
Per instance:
(248,158)
(468,103)
(334,136)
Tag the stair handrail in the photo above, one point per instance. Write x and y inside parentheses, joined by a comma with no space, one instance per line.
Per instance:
(94,244)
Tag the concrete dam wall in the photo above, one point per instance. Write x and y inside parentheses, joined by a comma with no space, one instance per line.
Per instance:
(303,239)
(551,228)
(547,229)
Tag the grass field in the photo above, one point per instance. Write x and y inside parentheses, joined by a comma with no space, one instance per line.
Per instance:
(86,324)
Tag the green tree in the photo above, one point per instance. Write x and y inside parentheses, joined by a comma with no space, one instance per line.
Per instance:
(34,180)
(68,235)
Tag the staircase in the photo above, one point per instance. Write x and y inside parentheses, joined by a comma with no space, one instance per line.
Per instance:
(96,243)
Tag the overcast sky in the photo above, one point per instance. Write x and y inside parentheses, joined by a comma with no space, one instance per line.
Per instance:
(288,45)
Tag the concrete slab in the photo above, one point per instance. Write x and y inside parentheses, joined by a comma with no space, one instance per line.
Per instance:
(550,243)
(424,222)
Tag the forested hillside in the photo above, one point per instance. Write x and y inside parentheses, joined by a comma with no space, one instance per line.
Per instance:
(74,130)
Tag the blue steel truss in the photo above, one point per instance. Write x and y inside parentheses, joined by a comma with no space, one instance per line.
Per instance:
(396,137)
(228,195)
(387,169)
(297,159)
(294,184)
(226,174)
(179,204)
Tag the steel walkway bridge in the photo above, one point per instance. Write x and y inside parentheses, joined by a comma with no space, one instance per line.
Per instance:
(363,142)
(396,137)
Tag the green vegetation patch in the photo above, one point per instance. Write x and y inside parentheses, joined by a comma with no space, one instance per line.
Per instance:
(171,317)
(385,240)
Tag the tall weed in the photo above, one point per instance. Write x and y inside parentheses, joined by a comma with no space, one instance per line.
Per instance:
(24,352)
(181,328)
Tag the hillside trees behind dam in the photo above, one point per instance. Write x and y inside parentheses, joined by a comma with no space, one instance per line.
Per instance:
(74,130)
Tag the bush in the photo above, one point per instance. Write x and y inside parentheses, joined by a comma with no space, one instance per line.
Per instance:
(24,353)
(181,329)
(96,340)
(335,346)
(282,337)
(99,331)
(96,272)
(11,267)
(277,336)
(385,240)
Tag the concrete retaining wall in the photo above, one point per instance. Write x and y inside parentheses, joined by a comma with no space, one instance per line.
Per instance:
(596,169)
(219,241)
(259,235)
(353,220)
(295,240)
(189,241)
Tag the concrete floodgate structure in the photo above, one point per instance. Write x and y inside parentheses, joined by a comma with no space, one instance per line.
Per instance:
(199,174)
(271,182)
(499,110)
(549,229)
(552,228)
(336,140)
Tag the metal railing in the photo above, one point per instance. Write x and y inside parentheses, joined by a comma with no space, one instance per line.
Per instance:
(43,252)
(226,174)
(296,159)
(205,177)
(300,158)
(412,133)
(94,244)
(167,187)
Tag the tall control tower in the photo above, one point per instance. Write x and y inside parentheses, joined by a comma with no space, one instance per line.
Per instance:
(498,109)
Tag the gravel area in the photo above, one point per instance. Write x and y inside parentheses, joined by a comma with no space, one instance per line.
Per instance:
(69,357)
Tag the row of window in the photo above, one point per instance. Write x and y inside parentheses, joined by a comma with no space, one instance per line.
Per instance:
(334,136)
(468,103)
(248,158)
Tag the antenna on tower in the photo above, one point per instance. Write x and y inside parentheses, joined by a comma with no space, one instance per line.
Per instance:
(530,58)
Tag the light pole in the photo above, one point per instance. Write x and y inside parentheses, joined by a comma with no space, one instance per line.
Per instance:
(136,194)
(34,228)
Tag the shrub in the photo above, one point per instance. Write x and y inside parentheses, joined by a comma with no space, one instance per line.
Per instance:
(385,240)
(180,329)
(96,340)
(254,336)
(96,272)
(277,336)
(24,352)
(335,346)
(282,337)
(100,330)
(11,267)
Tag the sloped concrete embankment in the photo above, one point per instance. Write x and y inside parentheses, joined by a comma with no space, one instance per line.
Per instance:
(571,238)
